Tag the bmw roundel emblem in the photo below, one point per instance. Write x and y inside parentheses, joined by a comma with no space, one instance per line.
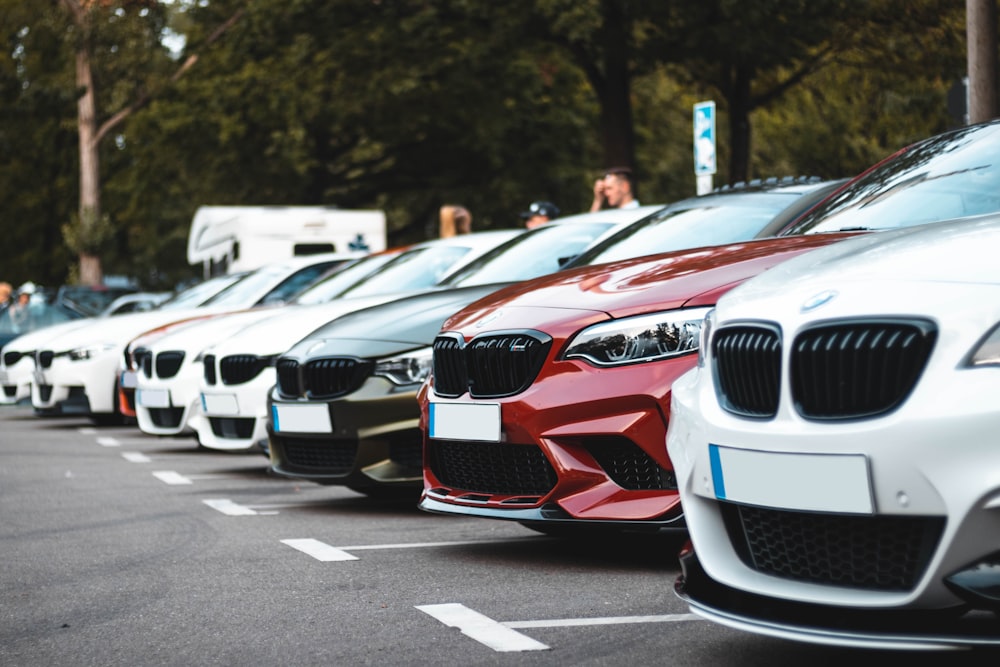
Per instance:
(817,300)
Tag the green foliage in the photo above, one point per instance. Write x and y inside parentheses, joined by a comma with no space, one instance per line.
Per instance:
(410,104)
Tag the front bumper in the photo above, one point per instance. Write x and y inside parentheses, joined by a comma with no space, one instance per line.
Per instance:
(374,442)
(821,624)
(235,416)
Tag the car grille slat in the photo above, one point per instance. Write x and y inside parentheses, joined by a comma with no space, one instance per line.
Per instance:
(884,553)
(288,383)
(491,365)
(486,467)
(168,363)
(330,377)
(858,369)
(208,367)
(241,368)
(748,367)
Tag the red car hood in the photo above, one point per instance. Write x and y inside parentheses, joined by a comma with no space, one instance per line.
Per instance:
(620,289)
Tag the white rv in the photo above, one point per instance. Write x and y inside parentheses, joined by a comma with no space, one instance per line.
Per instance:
(225,239)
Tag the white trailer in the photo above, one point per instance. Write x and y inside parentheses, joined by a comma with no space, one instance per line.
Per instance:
(225,239)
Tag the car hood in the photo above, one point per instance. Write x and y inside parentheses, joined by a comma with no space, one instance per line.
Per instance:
(31,341)
(390,328)
(197,334)
(121,329)
(620,289)
(278,332)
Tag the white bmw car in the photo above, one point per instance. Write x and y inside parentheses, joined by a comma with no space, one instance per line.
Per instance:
(838,446)
(77,373)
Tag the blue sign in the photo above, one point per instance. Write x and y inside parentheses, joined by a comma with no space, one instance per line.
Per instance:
(704,138)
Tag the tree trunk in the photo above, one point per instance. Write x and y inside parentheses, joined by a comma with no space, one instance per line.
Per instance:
(614,96)
(981,36)
(91,272)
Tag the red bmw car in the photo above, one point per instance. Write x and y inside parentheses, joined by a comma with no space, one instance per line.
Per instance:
(548,401)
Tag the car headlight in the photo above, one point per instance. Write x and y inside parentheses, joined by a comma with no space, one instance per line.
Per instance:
(987,352)
(639,339)
(410,368)
(89,351)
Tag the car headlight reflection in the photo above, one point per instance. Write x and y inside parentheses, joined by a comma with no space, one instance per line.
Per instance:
(639,339)
(410,368)
(89,351)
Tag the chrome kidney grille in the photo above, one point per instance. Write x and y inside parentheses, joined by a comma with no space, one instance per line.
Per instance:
(850,369)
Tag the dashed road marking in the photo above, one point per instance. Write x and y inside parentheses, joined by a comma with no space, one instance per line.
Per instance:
(136,457)
(87,430)
(319,550)
(482,628)
(171,477)
(228,507)
(107,441)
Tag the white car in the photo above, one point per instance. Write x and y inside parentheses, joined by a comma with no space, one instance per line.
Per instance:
(836,447)
(77,373)
(17,362)
(167,398)
(240,370)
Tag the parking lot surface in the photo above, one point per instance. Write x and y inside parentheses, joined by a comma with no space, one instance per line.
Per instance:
(122,548)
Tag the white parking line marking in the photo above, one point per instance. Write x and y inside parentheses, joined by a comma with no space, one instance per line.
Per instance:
(106,441)
(228,507)
(482,628)
(86,430)
(171,477)
(609,620)
(136,457)
(319,550)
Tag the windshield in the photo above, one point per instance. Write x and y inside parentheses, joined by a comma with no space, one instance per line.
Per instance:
(713,221)
(197,295)
(269,282)
(418,268)
(953,175)
(538,252)
(17,319)
(336,284)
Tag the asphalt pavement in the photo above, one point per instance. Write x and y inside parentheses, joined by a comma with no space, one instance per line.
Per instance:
(121,548)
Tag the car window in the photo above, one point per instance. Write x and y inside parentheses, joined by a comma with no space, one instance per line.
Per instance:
(288,288)
(715,221)
(199,294)
(336,284)
(955,175)
(418,268)
(535,253)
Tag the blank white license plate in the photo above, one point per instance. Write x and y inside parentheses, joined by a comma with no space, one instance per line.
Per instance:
(811,482)
(301,418)
(464,421)
(219,404)
(152,398)
(128,379)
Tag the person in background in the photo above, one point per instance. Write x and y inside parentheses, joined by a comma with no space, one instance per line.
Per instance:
(20,311)
(539,213)
(454,220)
(616,189)
(5,292)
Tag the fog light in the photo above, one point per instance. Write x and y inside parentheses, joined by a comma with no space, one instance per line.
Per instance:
(978,583)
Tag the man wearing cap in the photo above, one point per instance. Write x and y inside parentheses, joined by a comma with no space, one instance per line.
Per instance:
(614,190)
(539,213)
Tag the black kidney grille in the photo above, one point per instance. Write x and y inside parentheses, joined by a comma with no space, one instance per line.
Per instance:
(851,370)
(450,375)
(240,368)
(168,363)
(628,465)
(44,358)
(491,467)
(748,369)
(208,366)
(288,377)
(504,365)
(11,358)
(334,376)
(885,553)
